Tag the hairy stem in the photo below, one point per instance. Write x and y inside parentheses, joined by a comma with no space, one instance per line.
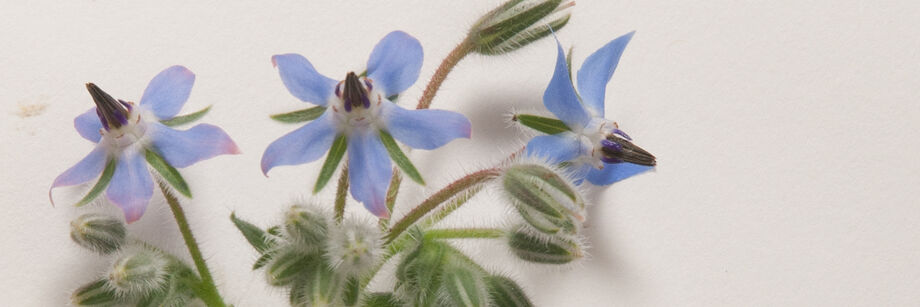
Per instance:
(454,57)
(341,191)
(445,194)
(465,233)
(208,292)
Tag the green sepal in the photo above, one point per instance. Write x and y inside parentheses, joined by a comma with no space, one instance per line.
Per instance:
(543,124)
(381,299)
(352,292)
(300,116)
(288,266)
(400,158)
(544,249)
(336,152)
(96,293)
(185,119)
(496,34)
(528,36)
(168,172)
(258,238)
(178,290)
(263,260)
(101,184)
(504,292)
(465,286)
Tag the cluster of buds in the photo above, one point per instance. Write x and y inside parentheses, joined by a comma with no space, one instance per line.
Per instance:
(139,274)
(552,210)
(317,259)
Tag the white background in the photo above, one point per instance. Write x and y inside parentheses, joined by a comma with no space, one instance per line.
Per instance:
(786,135)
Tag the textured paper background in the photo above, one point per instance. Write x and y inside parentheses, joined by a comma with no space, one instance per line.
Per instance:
(786,133)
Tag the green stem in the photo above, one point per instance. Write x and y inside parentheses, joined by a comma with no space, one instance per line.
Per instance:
(454,57)
(208,292)
(465,233)
(445,194)
(341,191)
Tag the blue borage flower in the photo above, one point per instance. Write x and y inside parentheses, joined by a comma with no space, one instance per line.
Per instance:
(358,109)
(124,132)
(594,148)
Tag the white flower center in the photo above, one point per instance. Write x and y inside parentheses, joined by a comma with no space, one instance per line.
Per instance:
(590,138)
(350,110)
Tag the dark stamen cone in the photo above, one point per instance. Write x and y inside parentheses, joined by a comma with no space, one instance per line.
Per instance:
(354,93)
(112,113)
(626,151)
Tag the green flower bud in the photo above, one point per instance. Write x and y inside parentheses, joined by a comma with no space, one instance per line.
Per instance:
(464,285)
(546,200)
(541,248)
(420,274)
(177,290)
(286,266)
(138,271)
(307,227)
(517,23)
(354,248)
(504,292)
(98,233)
(318,286)
(96,293)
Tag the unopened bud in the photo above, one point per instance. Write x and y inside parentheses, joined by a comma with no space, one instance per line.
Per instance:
(504,292)
(318,286)
(99,233)
(288,265)
(541,248)
(547,201)
(96,293)
(138,270)
(307,227)
(464,285)
(517,23)
(381,299)
(353,248)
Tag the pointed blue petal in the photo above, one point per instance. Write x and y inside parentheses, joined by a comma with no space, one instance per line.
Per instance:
(88,125)
(596,71)
(555,148)
(615,172)
(167,92)
(300,146)
(183,148)
(560,97)
(131,187)
(369,171)
(88,168)
(302,80)
(424,129)
(395,63)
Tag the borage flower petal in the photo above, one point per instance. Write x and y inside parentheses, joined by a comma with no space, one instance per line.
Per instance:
(167,92)
(300,146)
(131,187)
(369,171)
(182,148)
(302,80)
(560,97)
(88,168)
(395,63)
(88,125)
(597,70)
(424,129)
(615,172)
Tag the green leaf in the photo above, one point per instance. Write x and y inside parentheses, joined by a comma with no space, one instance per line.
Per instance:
(332,162)
(169,173)
(258,238)
(100,185)
(262,261)
(504,292)
(300,116)
(400,158)
(185,119)
(543,124)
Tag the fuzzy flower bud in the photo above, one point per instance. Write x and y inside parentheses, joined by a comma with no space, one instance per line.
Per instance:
(353,248)
(96,293)
(288,265)
(307,227)
(545,199)
(518,23)
(541,248)
(504,292)
(317,287)
(98,233)
(138,271)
